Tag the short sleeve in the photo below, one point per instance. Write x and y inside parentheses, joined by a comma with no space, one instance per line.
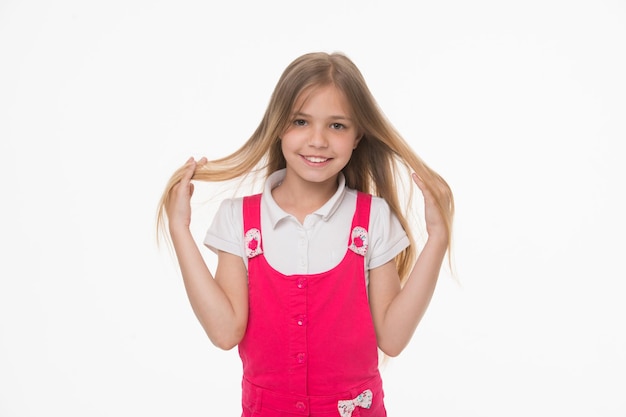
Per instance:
(226,230)
(387,237)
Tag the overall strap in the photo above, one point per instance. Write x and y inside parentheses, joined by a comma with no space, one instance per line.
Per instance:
(362,212)
(252,212)
(252,225)
(359,237)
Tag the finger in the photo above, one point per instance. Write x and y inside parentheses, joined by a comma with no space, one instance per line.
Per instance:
(189,169)
(426,192)
(418,181)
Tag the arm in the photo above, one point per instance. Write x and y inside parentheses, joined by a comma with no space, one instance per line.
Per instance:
(397,311)
(220,304)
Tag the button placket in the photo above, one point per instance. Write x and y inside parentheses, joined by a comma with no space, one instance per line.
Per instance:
(301,283)
(298,345)
(302,252)
(301,319)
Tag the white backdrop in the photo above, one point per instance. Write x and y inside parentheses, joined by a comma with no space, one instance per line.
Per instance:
(520,105)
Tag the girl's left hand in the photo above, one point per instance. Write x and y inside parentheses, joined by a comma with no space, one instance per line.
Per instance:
(435,223)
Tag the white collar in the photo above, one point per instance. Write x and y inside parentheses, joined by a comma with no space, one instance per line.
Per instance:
(276,214)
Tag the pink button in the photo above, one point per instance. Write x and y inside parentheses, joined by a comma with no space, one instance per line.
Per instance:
(301,283)
(301,320)
(300,406)
(301,357)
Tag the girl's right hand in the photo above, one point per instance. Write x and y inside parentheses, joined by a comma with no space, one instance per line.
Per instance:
(178,206)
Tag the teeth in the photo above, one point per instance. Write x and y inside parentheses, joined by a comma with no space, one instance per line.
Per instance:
(315,159)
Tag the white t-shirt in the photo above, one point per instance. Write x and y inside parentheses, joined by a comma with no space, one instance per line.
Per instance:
(316,246)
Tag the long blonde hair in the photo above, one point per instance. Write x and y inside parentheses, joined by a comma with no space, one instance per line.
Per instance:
(377,164)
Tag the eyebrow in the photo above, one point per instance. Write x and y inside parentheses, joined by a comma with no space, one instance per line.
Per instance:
(334,117)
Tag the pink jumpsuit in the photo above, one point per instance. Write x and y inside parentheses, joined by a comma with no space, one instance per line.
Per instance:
(310,348)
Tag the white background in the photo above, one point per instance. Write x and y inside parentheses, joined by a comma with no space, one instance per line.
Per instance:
(520,105)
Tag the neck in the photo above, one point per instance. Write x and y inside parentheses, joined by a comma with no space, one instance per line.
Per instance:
(302,199)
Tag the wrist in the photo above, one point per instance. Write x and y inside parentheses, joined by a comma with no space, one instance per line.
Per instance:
(439,238)
(178,228)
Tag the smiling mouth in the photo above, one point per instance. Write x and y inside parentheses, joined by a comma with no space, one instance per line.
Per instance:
(316,159)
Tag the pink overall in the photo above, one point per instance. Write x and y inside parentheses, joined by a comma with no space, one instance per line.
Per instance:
(310,347)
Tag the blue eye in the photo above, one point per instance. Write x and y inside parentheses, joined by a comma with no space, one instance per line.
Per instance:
(299,122)
(337,126)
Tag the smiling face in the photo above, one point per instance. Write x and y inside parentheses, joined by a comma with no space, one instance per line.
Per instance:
(320,138)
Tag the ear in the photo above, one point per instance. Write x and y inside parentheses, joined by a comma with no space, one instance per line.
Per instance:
(358,139)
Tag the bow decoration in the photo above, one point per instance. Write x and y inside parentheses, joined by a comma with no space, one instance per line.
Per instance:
(364,400)
(359,241)
(252,240)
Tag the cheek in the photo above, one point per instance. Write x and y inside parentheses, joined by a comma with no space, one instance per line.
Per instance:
(355,143)
(292,138)
(288,142)
(352,144)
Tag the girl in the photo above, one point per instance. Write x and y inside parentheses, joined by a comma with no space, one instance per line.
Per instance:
(320,270)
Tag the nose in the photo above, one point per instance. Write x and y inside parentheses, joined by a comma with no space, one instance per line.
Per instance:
(317,138)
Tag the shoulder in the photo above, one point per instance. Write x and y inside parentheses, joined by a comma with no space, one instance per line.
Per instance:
(226,231)
(382,220)
(378,205)
(387,236)
(230,207)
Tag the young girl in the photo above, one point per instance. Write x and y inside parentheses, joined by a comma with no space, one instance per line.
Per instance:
(320,270)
